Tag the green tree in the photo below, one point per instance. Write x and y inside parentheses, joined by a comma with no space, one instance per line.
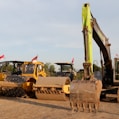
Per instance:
(50,69)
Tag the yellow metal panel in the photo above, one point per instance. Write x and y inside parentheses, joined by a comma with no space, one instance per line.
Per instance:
(2,76)
(66,89)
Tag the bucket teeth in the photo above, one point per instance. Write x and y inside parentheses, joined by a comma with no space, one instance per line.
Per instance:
(83,106)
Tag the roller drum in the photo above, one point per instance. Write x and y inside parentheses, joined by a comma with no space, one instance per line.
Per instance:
(52,88)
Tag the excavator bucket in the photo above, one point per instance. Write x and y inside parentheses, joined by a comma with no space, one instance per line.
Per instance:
(85,95)
(52,88)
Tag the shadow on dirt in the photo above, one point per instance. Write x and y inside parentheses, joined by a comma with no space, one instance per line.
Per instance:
(37,103)
(112,113)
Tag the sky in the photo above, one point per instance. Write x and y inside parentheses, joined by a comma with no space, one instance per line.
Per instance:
(52,29)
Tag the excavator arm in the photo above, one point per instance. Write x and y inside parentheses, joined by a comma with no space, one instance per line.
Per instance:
(104,45)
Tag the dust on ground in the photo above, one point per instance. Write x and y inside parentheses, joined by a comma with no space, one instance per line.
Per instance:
(26,108)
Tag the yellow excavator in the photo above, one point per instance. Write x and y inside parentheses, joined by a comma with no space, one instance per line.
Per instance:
(85,94)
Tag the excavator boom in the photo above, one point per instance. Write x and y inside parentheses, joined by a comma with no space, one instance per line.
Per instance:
(87,34)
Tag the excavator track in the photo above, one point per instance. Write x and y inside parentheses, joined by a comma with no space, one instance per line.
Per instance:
(52,88)
(85,95)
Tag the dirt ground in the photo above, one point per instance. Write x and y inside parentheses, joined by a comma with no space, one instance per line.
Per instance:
(26,108)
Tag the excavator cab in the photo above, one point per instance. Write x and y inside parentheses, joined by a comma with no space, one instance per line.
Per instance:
(116,70)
